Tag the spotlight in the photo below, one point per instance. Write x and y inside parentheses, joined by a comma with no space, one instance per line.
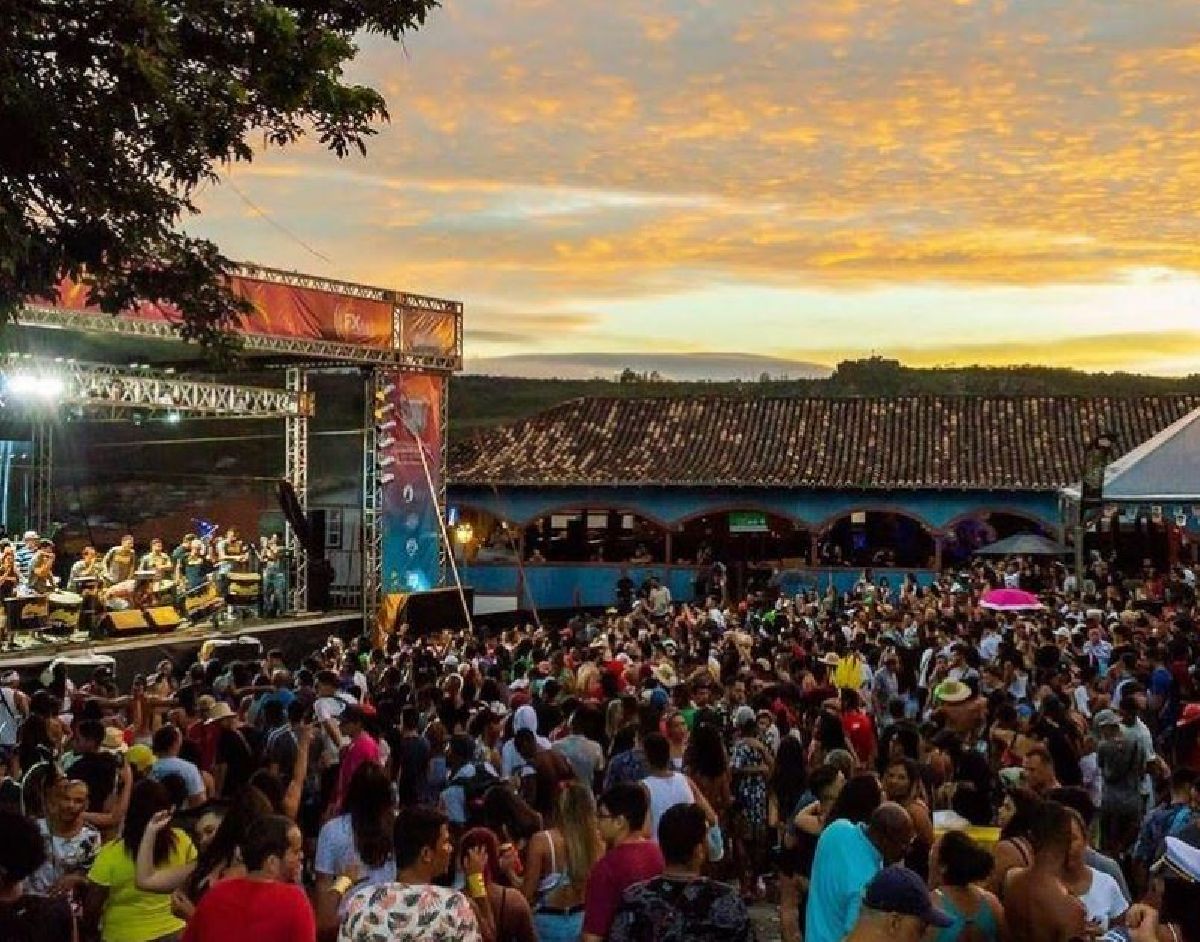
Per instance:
(387,461)
(386,442)
(384,410)
(387,478)
(464,533)
(35,386)
(174,418)
(388,425)
(382,393)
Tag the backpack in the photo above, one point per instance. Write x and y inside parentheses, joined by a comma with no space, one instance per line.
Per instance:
(474,791)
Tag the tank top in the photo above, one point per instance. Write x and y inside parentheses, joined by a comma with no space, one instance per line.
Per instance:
(666,792)
(983,919)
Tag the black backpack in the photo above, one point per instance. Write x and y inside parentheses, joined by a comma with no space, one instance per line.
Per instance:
(474,790)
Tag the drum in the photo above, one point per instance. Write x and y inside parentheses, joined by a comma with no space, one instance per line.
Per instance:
(163,592)
(65,608)
(27,612)
(120,595)
(243,588)
(202,601)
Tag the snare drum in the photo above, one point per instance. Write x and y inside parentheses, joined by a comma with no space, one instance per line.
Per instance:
(243,587)
(202,600)
(65,608)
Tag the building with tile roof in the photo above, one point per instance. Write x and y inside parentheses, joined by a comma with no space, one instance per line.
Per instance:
(792,481)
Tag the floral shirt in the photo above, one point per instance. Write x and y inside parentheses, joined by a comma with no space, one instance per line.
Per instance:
(750,787)
(403,912)
(64,856)
(667,909)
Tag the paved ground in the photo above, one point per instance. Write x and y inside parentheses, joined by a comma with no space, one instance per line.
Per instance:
(766,921)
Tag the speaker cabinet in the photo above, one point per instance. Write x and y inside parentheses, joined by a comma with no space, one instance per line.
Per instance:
(123,623)
(164,618)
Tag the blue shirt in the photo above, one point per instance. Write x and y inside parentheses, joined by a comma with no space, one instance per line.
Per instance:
(844,864)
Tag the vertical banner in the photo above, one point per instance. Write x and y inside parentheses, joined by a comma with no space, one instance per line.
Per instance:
(409,513)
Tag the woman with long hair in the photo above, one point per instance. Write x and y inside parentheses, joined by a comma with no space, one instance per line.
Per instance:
(514,920)
(962,866)
(707,765)
(902,784)
(1014,849)
(357,843)
(558,863)
(126,912)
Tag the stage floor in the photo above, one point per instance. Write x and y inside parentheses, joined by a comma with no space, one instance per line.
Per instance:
(297,635)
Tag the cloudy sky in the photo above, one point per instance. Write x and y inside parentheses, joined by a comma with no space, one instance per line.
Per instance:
(943,181)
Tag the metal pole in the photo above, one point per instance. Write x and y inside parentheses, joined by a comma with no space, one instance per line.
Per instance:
(296,472)
(372,501)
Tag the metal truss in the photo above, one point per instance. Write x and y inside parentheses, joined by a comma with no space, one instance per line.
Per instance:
(96,385)
(372,501)
(443,471)
(41,498)
(296,471)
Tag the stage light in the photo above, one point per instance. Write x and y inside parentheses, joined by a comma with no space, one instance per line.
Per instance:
(387,478)
(386,442)
(388,425)
(36,386)
(464,533)
(387,461)
(382,393)
(174,418)
(384,409)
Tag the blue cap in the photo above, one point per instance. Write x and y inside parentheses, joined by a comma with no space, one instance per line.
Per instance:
(897,889)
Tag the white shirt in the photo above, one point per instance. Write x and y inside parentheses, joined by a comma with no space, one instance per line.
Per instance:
(1103,900)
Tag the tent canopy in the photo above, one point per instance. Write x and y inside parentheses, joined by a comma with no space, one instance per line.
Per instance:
(1024,544)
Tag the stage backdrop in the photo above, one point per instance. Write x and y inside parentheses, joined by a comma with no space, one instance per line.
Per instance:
(409,515)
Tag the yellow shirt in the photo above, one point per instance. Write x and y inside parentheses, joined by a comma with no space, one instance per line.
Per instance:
(130,914)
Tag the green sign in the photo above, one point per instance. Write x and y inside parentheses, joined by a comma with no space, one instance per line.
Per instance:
(747,521)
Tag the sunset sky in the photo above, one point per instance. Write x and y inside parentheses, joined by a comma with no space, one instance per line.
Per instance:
(997,181)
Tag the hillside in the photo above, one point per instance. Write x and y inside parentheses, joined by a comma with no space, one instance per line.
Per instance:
(481,401)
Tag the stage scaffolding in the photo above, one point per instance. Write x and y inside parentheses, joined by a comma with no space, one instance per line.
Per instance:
(102,390)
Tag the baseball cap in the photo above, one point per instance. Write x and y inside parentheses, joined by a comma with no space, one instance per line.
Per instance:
(1106,718)
(897,889)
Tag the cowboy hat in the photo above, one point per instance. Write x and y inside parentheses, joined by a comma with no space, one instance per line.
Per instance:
(665,675)
(220,712)
(952,691)
(114,741)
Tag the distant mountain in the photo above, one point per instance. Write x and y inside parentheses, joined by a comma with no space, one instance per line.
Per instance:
(684,367)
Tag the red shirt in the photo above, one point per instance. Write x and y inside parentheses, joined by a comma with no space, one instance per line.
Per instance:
(241,910)
(861,732)
(614,873)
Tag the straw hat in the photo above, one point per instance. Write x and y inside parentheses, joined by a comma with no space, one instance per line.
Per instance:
(952,691)
(114,741)
(220,712)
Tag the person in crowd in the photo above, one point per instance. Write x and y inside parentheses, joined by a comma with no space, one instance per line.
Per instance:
(124,912)
(166,746)
(1015,847)
(848,855)
(1038,906)
(514,920)
(1104,903)
(559,862)
(71,843)
(681,905)
(265,905)
(621,814)
(963,866)
(414,908)
(896,907)
(357,844)
(25,916)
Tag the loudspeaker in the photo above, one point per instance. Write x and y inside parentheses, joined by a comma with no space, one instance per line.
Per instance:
(163,617)
(435,610)
(124,622)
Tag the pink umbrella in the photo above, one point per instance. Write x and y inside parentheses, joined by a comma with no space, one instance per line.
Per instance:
(1010,600)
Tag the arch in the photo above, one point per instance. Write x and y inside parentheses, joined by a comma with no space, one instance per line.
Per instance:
(888,508)
(888,535)
(575,507)
(646,541)
(977,512)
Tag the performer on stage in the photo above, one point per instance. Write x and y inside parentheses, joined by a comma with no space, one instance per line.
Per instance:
(86,568)
(180,552)
(275,583)
(10,575)
(193,569)
(232,556)
(120,562)
(24,553)
(41,574)
(157,560)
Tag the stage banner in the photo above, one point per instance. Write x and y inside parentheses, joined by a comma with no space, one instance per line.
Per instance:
(279,310)
(428,332)
(409,513)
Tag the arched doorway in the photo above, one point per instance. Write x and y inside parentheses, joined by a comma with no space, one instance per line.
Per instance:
(594,535)
(751,544)
(972,532)
(881,538)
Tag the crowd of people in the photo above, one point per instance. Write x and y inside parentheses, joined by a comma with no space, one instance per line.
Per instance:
(894,762)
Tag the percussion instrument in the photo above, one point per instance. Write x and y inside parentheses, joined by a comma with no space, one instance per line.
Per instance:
(87,582)
(65,608)
(244,648)
(27,612)
(243,587)
(121,594)
(163,592)
(202,601)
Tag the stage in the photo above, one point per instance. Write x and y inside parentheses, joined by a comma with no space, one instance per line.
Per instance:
(295,635)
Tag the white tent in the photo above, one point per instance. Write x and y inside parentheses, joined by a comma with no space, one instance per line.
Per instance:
(1163,470)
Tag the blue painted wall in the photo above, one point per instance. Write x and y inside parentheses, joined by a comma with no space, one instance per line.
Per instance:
(594,585)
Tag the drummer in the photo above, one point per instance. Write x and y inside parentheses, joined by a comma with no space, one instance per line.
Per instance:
(158,561)
(86,572)
(120,562)
(193,568)
(41,573)
(10,575)
(232,556)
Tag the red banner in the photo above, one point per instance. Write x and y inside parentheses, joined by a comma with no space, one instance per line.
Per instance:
(428,332)
(279,310)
